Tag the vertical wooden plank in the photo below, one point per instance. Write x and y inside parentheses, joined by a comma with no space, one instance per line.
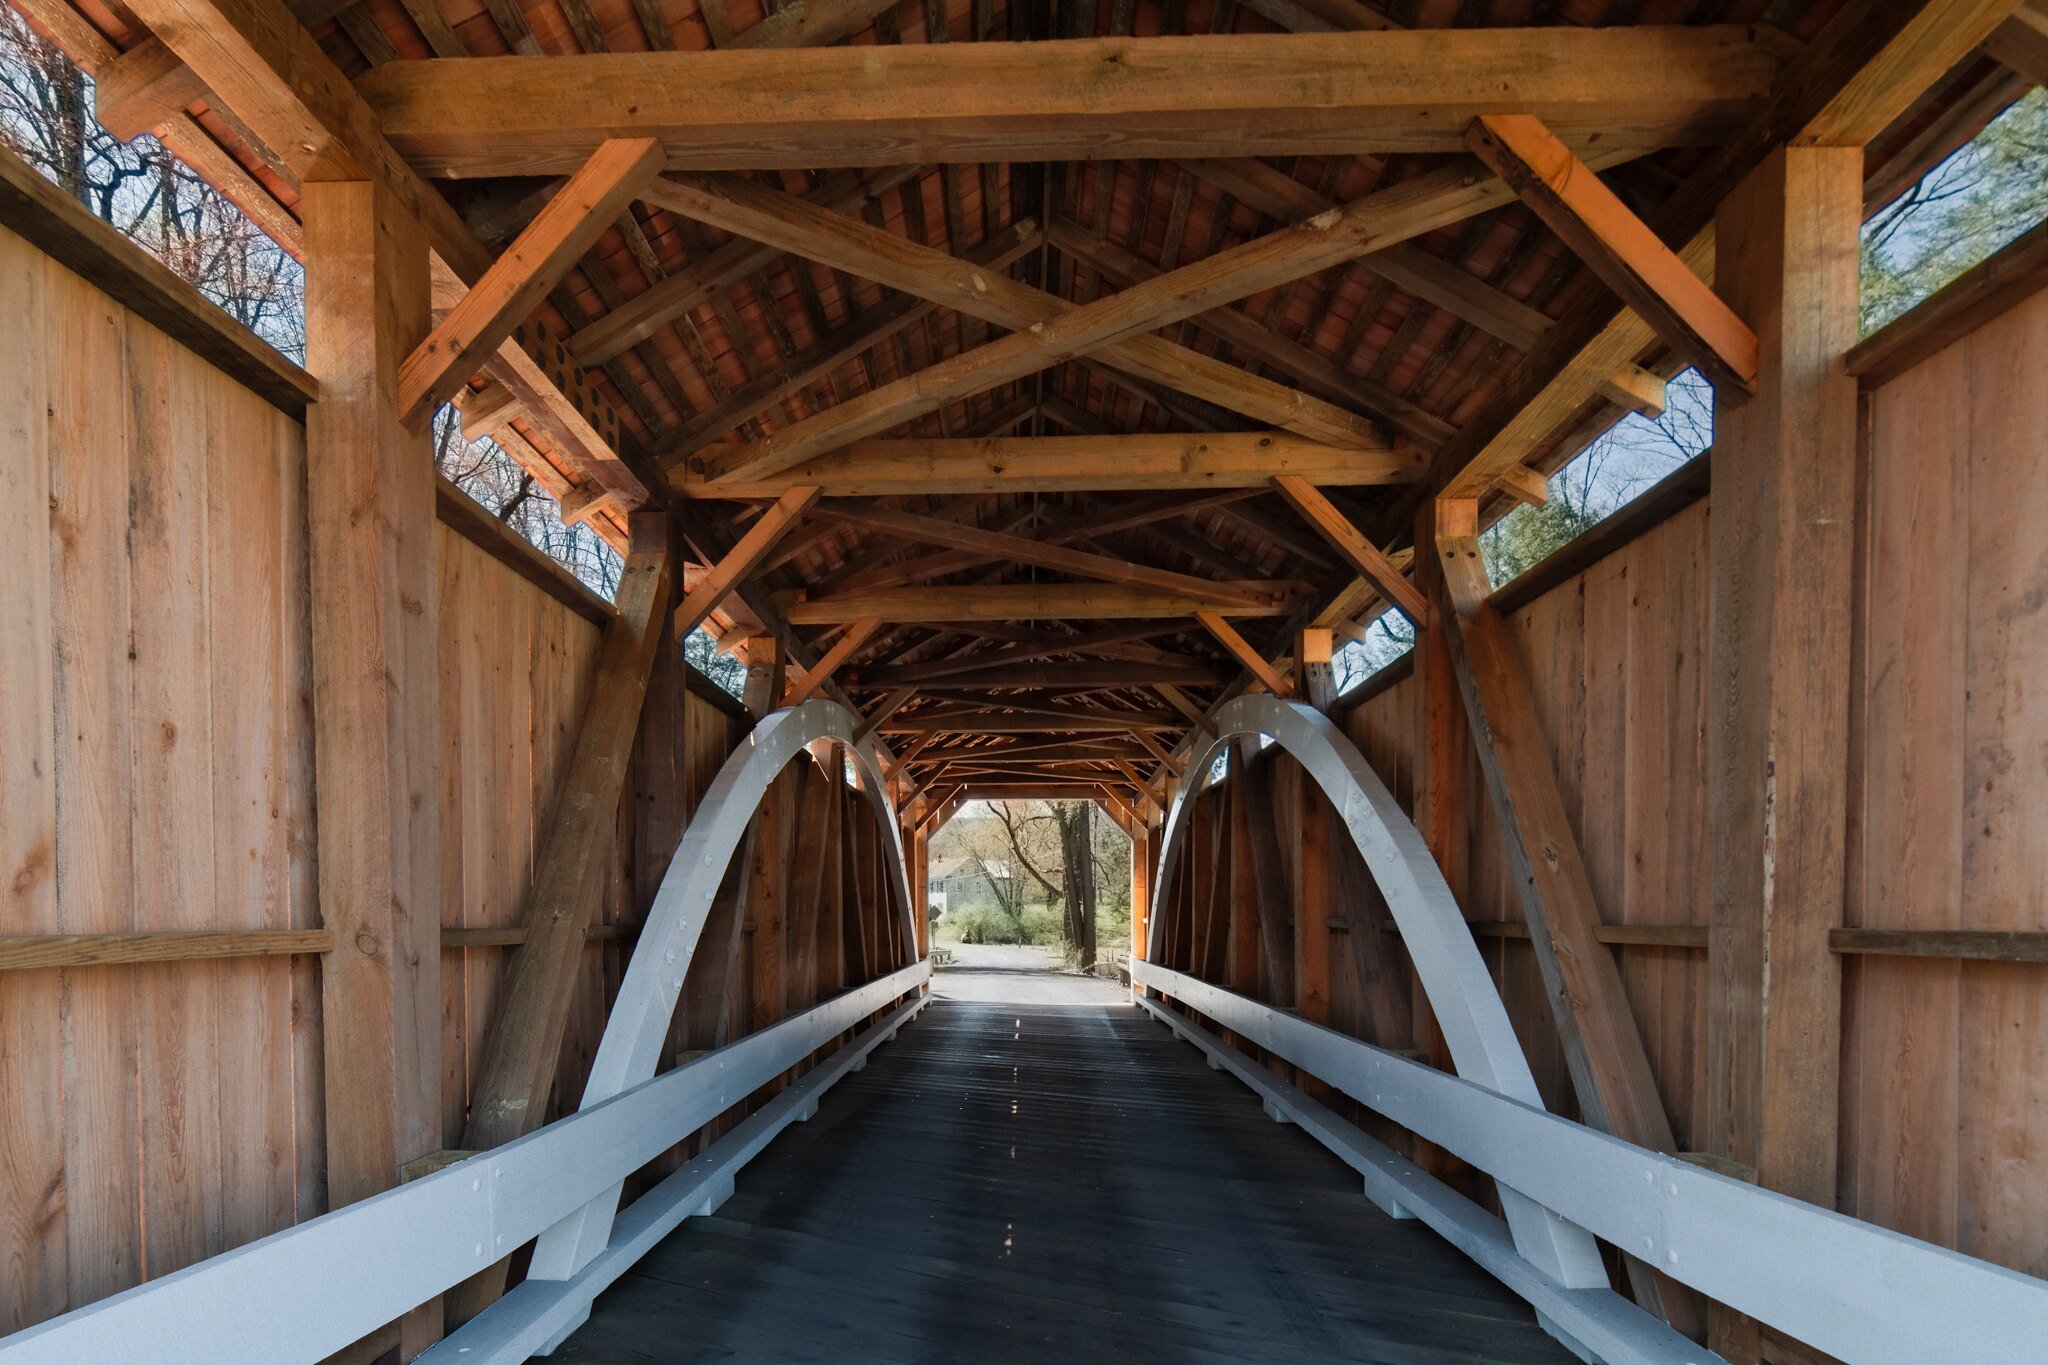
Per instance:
(171,743)
(451,581)
(1782,564)
(2002,1070)
(371,499)
(34,1256)
(88,506)
(1902,1023)
(245,685)
(309,1088)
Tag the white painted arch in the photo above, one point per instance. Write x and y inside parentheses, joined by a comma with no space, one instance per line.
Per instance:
(1453,976)
(640,1016)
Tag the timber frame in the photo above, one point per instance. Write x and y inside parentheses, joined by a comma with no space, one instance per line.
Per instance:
(1036,399)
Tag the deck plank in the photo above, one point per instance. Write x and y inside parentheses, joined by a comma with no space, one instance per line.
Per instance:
(1012,1182)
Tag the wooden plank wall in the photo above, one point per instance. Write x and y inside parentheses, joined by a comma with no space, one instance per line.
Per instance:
(1615,656)
(1945,1095)
(155,774)
(515,666)
(1945,1075)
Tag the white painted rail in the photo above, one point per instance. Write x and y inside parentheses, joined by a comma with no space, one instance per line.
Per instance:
(1859,1292)
(304,1293)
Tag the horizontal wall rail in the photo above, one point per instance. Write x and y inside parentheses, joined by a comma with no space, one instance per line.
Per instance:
(306,1292)
(1862,1293)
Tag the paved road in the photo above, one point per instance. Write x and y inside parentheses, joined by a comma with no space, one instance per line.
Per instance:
(993,974)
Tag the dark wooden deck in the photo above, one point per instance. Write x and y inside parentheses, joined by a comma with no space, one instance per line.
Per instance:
(1012,1182)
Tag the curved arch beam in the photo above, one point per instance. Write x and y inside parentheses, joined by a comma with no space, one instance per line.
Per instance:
(1447,963)
(646,1003)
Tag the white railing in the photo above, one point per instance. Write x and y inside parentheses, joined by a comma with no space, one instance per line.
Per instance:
(1859,1292)
(307,1292)
(1448,967)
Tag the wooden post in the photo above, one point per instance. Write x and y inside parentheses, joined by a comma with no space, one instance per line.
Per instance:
(920,890)
(1438,802)
(659,798)
(1784,483)
(1141,889)
(768,876)
(370,498)
(1603,1047)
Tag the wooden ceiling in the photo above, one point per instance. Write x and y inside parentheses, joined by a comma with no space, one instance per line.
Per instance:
(1041,297)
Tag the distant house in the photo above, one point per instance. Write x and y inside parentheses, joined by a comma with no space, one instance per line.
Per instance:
(953,880)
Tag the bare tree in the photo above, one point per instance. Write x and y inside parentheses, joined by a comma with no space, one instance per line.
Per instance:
(46,118)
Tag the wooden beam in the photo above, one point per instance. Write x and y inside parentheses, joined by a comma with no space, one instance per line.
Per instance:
(996,721)
(1137,779)
(1407,210)
(262,64)
(701,282)
(742,206)
(1327,521)
(1261,343)
(1616,245)
(1159,752)
(1113,641)
(36,952)
(520,279)
(812,24)
(732,569)
(486,411)
(1867,66)
(1603,1048)
(524,1042)
(1046,602)
(1032,791)
(1070,675)
(1241,649)
(1051,464)
(1178,700)
(828,353)
(375,695)
(1784,546)
(1972,945)
(1049,751)
(856,635)
(1315,652)
(1524,485)
(882,710)
(1025,550)
(265,68)
(2021,42)
(143,89)
(1220,95)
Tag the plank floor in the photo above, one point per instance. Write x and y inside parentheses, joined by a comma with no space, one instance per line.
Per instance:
(1033,1182)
